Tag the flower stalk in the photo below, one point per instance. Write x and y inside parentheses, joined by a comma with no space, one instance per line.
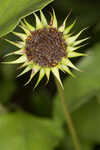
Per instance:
(68,119)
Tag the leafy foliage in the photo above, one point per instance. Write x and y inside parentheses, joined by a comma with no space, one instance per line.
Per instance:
(26,132)
(11,11)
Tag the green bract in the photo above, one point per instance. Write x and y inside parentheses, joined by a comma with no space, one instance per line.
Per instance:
(72,44)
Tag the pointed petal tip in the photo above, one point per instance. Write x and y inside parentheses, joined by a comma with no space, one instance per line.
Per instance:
(38,22)
(23,27)
(47,72)
(76,54)
(29,26)
(20,35)
(41,75)
(69,28)
(17,44)
(27,69)
(56,74)
(53,21)
(62,28)
(33,73)
(43,19)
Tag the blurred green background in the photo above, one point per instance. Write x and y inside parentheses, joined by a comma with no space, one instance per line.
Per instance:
(33,119)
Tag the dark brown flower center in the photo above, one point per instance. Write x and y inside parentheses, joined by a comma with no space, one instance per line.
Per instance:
(46,47)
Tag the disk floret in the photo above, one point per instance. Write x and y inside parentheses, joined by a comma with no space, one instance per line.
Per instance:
(46,48)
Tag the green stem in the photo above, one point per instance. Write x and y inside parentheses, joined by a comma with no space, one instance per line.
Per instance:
(68,117)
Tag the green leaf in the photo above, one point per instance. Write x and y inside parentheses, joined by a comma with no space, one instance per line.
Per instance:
(79,90)
(87,121)
(12,11)
(26,132)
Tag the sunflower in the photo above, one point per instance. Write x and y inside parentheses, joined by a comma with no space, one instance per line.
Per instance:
(46,48)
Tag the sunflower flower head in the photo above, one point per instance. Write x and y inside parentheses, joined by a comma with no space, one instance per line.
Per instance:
(46,48)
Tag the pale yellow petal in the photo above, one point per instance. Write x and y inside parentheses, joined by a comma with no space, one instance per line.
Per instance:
(20,35)
(55,72)
(29,26)
(68,29)
(75,54)
(41,75)
(62,27)
(66,69)
(79,41)
(38,22)
(17,44)
(35,70)
(72,39)
(53,21)
(28,68)
(67,62)
(19,52)
(24,28)
(43,19)
(21,59)
(47,72)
